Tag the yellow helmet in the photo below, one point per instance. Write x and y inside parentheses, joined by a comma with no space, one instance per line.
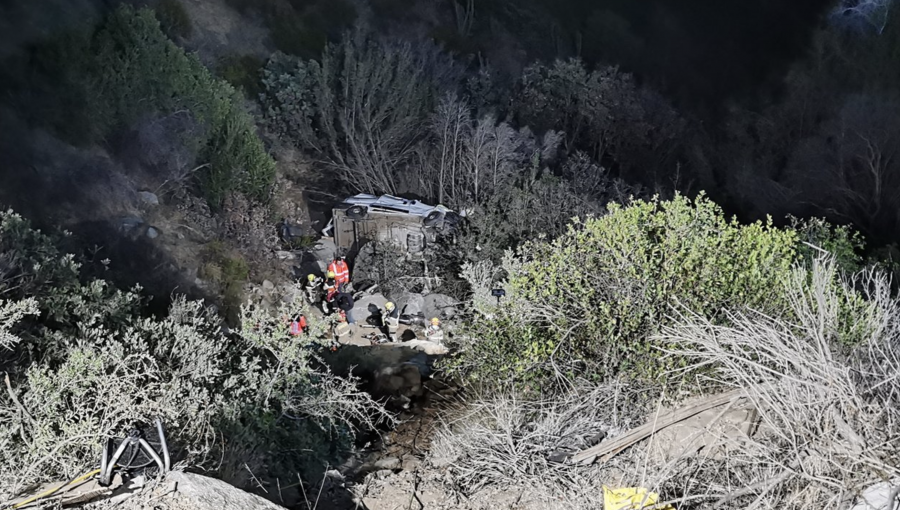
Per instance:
(389,305)
(330,274)
(311,277)
(435,321)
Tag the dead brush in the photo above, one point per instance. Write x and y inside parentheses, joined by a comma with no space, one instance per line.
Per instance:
(829,413)
(503,442)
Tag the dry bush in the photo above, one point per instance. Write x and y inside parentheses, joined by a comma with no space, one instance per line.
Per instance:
(829,414)
(504,442)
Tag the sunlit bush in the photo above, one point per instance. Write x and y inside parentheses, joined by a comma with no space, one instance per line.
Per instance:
(589,299)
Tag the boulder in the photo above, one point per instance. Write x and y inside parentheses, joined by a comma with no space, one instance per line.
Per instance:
(181,491)
(404,380)
(410,463)
(285,255)
(413,304)
(441,306)
(152,232)
(148,198)
(202,493)
(323,252)
(388,463)
(129,223)
(367,306)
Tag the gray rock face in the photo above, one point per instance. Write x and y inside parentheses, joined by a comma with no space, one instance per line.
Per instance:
(366,306)
(388,463)
(148,198)
(184,491)
(414,304)
(441,306)
(410,463)
(129,223)
(202,493)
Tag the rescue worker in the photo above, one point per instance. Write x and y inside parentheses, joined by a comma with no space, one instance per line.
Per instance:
(299,325)
(390,321)
(313,288)
(434,333)
(330,288)
(344,302)
(341,271)
(341,331)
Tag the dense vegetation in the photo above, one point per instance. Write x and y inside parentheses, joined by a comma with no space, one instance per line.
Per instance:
(589,197)
(588,302)
(95,82)
(86,361)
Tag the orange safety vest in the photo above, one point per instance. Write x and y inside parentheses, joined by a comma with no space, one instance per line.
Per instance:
(340,270)
(297,327)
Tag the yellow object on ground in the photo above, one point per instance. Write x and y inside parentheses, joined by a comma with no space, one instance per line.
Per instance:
(636,498)
(55,489)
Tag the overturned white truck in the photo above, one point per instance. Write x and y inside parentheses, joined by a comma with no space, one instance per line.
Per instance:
(409,224)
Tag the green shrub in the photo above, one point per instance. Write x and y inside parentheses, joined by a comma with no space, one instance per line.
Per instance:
(127,68)
(246,400)
(599,291)
(229,271)
(174,19)
(242,72)
(816,234)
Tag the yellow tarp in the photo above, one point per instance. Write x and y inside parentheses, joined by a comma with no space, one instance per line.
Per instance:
(636,498)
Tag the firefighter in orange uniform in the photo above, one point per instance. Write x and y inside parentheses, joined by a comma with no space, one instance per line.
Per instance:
(341,271)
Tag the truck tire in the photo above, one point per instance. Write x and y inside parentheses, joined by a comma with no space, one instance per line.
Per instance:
(356,212)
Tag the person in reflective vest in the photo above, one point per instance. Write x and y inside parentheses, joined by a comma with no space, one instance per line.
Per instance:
(434,333)
(299,325)
(390,321)
(341,271)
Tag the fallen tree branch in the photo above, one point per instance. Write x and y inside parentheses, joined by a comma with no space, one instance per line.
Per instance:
(612,448)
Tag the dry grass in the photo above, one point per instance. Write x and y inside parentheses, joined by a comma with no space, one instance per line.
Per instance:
(505,442)
(828,413)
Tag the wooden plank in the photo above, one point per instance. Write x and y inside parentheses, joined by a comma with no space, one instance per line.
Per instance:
(611,448)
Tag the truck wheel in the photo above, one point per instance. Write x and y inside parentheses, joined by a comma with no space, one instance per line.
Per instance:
(356,212)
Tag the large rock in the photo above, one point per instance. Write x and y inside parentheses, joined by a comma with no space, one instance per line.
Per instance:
(148,198)
(366,306)
(413,304)
(441,306)
(198,492)
(182,491)
(130,223)
(323,252)
(405,380)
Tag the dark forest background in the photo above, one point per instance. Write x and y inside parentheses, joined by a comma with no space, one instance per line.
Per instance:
(771,108)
